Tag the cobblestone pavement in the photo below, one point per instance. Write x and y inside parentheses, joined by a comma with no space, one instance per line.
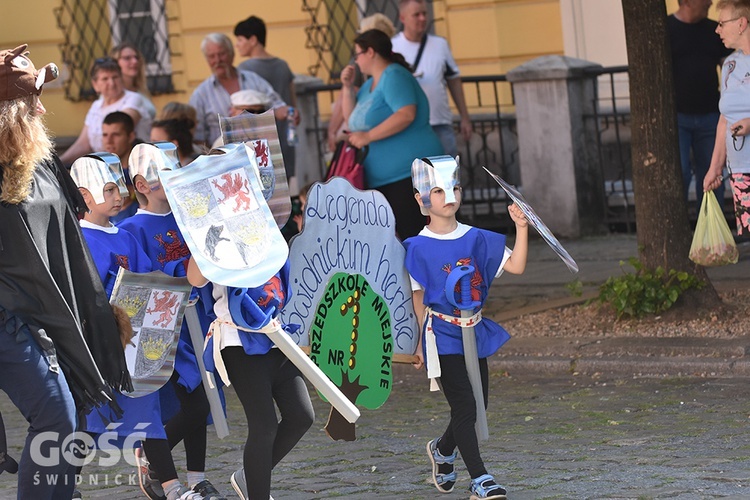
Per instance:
(551,436)
(563,437)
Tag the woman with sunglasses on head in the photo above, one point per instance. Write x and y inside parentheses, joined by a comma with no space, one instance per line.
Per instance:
(106,79)
(734,124)
(389,114)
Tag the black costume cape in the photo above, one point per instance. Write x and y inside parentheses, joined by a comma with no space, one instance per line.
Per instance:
(48,279)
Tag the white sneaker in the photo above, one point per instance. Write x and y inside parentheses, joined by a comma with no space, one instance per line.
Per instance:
(239,484)
(184,493)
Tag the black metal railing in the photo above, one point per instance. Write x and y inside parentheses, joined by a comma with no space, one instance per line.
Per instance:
(332,28)
(324,97)
(612,120)
(494,145)
(611,117)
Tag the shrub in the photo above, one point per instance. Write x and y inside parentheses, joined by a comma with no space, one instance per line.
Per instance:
(645,291)
(575,287)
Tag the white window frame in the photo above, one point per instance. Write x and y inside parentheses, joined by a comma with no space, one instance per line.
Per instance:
(164,65)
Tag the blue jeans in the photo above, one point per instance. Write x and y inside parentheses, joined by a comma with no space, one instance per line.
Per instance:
(697,133)
(44,399)
(447,138)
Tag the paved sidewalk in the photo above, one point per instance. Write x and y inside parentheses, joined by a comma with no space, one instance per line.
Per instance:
(543,286)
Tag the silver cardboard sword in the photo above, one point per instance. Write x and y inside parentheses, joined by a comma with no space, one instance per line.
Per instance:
(209,383)
(462,276)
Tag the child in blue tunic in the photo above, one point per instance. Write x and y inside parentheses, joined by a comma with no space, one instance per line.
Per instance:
(155,228)
(102,187)
(440,248)
(242,355)
(100,181)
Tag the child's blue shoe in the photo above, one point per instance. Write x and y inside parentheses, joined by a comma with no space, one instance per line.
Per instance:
(485,488)
(443,475)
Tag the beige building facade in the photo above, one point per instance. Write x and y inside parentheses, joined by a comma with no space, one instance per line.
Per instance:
(488,37)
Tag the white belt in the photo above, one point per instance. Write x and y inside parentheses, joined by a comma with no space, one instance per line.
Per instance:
(432,361)
(214,331)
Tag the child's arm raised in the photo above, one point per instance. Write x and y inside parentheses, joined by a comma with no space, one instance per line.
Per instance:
(516,263)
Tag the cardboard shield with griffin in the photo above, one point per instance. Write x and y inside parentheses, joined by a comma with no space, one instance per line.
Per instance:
(352,294)
(155,304)
(259,131)
(219,206)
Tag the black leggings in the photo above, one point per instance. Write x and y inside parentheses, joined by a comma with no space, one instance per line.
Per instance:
(160,457)
(189,424)
(259,381)
(157,451)
(454,380)
(400,195)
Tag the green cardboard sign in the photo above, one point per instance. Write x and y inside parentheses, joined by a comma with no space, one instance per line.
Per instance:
(351,339)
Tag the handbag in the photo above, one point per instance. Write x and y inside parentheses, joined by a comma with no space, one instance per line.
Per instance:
(347,162)
(713,244)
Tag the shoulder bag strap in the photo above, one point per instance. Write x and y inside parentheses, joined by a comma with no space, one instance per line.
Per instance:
(419,53)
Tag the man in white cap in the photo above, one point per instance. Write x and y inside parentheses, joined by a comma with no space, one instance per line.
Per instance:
(252,101)
(248,100)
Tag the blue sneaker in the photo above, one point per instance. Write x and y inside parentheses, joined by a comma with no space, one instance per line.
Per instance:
(443,475)
(485,488)
(208,491)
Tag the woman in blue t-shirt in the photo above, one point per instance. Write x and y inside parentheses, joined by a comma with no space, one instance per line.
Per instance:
(391,115)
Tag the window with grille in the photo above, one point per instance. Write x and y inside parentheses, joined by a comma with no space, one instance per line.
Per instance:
(333,27)
(92,27)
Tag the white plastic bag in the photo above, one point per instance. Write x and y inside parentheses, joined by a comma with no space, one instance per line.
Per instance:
(713,244)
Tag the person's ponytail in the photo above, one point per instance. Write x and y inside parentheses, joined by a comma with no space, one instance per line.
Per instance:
(397,58)
(381,44)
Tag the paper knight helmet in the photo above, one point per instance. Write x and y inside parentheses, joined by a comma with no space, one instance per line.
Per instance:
(18,76)
(147,159)
(435,172)
(95,171)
